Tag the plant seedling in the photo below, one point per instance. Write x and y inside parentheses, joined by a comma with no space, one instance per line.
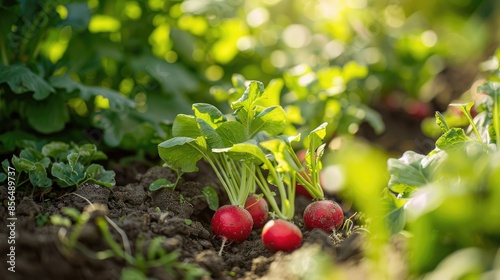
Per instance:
(210,135)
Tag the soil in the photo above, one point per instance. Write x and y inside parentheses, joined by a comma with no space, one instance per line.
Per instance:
(181,216)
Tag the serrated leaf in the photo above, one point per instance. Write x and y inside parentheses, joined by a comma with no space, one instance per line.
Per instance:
(68,176)
(160,184)
(271,120)
(21,79)
(182,153)
(55,149)
(97,174)
(452,138)
(185,126)
(407,171)
(209,113)
(211,197)
(38,176)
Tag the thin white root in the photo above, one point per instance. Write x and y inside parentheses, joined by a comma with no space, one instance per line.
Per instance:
(222,246)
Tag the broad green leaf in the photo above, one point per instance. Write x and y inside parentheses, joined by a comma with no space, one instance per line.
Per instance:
(453,137)
(211,197)
(55,149)
(21,164)
(185,126)
(21,80)
(271,95)
(38,176)
(271,120)
(231,133)
(97,174)
(66,175)
(209,114)
(3,176)
(160,184)
(213,139)
(49,115)
(408,172)
(182,153)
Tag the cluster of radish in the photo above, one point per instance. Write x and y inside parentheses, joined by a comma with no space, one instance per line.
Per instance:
(246,151)
(234,224)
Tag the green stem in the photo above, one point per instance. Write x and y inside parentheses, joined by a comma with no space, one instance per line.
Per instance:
(262,183)
(471,121)
(222,178)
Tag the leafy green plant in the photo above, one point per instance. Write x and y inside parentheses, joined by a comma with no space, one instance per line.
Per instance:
(447,200)
(60,163)
(208,133)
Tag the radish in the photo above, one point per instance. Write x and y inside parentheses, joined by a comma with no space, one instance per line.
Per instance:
(258,209)
(232,223)
(323,214)
(281,235)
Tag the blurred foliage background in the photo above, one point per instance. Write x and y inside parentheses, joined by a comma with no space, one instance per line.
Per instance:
(126,68)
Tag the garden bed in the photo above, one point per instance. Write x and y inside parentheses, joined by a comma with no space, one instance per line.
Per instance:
(182,216)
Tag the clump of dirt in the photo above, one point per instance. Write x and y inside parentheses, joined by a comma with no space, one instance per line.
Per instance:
(137,216)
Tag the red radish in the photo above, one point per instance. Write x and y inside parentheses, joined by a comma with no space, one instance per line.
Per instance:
(281,235)
(258,209)
(232,223)
(323,214)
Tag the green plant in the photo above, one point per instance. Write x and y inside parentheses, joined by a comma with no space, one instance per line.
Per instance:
(60,163)
(447,200)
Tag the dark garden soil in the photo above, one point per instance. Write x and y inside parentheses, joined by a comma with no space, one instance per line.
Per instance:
(182,216)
